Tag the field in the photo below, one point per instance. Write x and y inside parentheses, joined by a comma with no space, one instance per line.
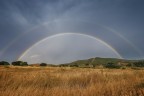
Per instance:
(60,81)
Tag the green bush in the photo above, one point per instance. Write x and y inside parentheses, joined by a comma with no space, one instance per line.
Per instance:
(19,63)
(74,65)
(43,64)
(112,65)
(138,64)
(123,67)
(4,63)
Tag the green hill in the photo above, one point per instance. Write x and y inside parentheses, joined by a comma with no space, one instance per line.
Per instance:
(93,62)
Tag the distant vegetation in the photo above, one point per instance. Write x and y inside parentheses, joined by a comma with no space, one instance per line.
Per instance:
(105,63)
(88,63)
(4,63)
(43,64)
(112,65)
(19,63)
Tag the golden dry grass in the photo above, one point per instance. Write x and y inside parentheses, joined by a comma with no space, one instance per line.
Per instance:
(29,81)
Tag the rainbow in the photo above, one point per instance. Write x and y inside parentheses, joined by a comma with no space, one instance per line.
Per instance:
(61,34)
(46,23)
(126,40)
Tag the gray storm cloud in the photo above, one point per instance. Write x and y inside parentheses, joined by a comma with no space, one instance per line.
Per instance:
(23,23)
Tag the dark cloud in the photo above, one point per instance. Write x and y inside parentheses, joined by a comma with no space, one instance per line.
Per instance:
(84,16)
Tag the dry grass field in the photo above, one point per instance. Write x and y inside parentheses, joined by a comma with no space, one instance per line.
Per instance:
(54,81)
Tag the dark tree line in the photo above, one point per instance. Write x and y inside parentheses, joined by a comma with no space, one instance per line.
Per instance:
(19,63)
(15,63)
(43,64)
(136,64)
(139,64)
(112,65)
(4,63)
(108,65)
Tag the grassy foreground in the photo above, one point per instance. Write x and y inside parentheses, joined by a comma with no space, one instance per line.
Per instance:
(56,81)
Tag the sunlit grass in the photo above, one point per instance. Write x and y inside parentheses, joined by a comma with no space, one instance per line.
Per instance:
(54,81)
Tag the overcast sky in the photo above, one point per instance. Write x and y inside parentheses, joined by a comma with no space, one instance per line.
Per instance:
(119,23)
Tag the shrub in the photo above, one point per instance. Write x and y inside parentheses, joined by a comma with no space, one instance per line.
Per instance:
(43,64)
(139,64)
(24,64)
(19,63)
(74,65)
(112,65)
(4,63)
(123,67)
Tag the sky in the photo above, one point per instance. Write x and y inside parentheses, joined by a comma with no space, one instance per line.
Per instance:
(117,23)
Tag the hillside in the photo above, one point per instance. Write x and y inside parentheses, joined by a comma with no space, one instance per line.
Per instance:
(97,61)
(100,62)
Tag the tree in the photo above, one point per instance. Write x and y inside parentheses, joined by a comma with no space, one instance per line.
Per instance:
(43,64)
(24,64)
(112,65)
(74,65)
(19,63)
(139,64)
(4,63)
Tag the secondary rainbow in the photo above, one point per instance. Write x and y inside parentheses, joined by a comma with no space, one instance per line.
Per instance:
(46,23)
